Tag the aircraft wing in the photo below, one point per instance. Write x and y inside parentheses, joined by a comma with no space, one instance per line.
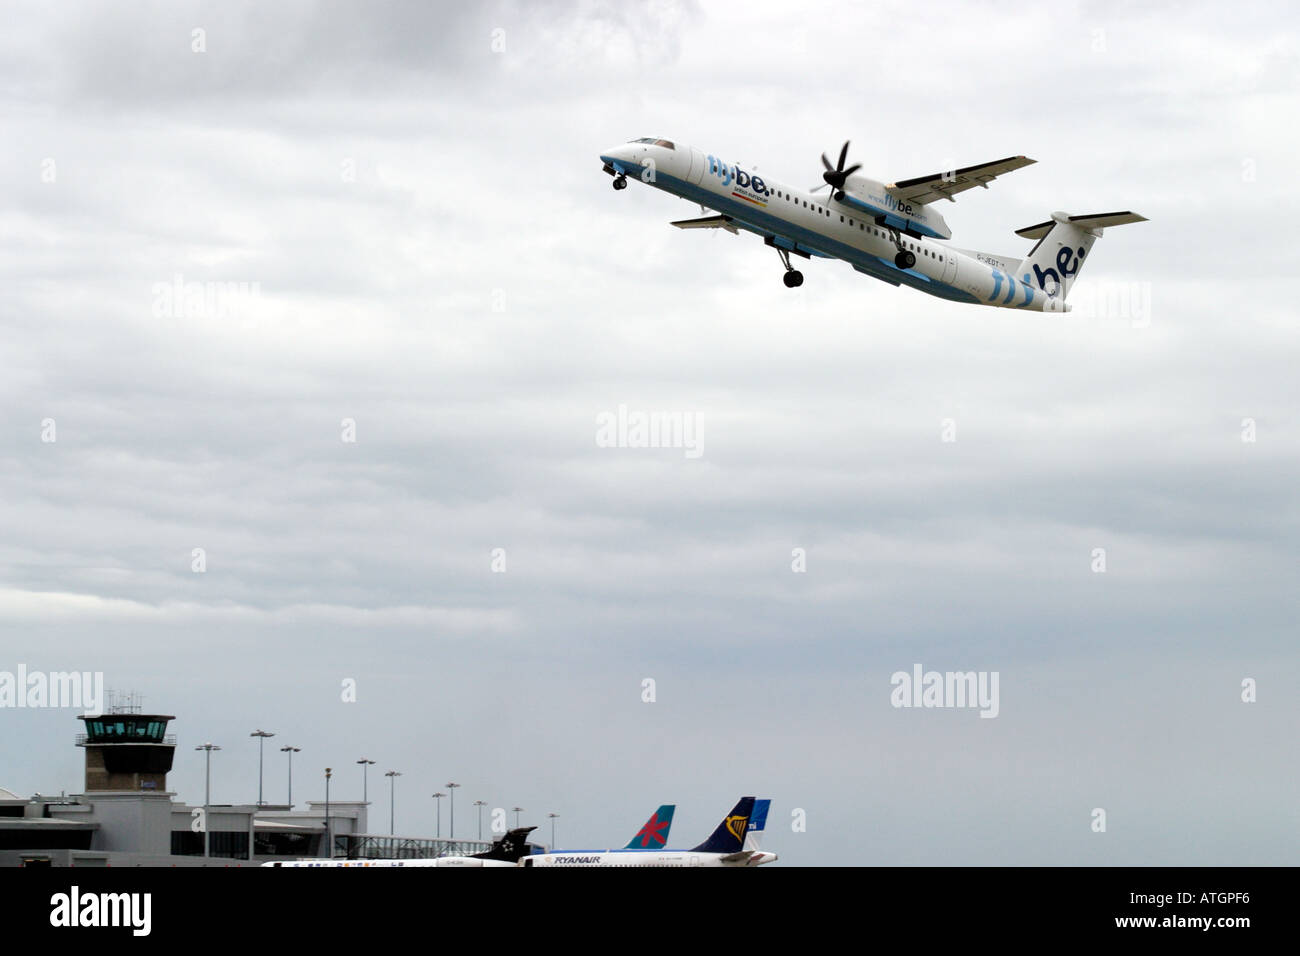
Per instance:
(926,189)
(709,222)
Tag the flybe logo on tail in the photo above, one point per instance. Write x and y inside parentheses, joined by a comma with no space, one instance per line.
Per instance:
(730,174)
(1068,262)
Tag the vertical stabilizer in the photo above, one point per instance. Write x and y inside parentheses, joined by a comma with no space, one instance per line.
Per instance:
(1064,241)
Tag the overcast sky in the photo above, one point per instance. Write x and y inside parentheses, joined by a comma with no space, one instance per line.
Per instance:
(413,196)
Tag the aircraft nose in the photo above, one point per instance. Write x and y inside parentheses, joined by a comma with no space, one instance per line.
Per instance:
(619,152)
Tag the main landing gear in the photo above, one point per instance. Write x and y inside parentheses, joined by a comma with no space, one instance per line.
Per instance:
(620,181)
(793,278)
(905,258)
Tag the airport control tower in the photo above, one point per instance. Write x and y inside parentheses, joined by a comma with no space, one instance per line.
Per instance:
(125,749)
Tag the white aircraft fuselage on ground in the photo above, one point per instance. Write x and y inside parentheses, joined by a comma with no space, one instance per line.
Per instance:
(885,231)
(462,862)
(578,858)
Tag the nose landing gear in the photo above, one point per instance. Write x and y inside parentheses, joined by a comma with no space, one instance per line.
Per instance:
(620,181)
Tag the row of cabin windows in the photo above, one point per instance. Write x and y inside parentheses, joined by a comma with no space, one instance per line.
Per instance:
(861,226)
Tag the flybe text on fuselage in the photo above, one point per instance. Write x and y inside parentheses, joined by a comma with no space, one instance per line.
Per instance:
(729,174)
(891,203)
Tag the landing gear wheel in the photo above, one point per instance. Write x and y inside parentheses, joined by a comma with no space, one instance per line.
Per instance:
(793,278)
(905,260)
(620,182)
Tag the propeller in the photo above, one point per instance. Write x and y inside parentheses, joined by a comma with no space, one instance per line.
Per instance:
(835,176)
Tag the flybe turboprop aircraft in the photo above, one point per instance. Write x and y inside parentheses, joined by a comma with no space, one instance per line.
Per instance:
(886,230)
(725,847)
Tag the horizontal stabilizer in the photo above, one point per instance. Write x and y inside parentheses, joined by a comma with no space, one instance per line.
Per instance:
(708,222)
(1096,220)
(736,857)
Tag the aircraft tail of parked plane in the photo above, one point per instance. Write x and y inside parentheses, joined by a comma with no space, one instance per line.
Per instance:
(729,837)
(511,848)
(1063,243)
(654,834)
(757,823)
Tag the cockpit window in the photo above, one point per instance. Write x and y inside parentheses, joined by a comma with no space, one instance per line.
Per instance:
(650,140)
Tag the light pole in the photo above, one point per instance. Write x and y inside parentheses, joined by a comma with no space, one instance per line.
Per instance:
(552,816)
(329,843)
(365,790)
(207,795)
(480,804)
(518,810)
(290,751)
(437,797)
(451,800)
(261,738)
(392,776)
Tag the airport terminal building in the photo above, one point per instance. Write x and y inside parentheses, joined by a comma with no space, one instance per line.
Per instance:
(126,816)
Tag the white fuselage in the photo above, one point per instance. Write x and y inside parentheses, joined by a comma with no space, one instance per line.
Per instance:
(819,225)
(463,862)
(625,858)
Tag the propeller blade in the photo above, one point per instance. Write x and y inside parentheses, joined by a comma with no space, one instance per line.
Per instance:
(852,169)
(844,153)
(827,163)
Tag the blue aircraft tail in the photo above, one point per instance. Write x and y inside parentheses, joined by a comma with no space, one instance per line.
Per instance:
(654,835)
(729,837)
(757,823)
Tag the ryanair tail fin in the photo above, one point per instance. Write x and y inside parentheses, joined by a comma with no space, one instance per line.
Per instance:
(729,837)
(654,835)
(1063,243)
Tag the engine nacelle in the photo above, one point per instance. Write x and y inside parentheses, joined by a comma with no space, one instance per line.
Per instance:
(873,200)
